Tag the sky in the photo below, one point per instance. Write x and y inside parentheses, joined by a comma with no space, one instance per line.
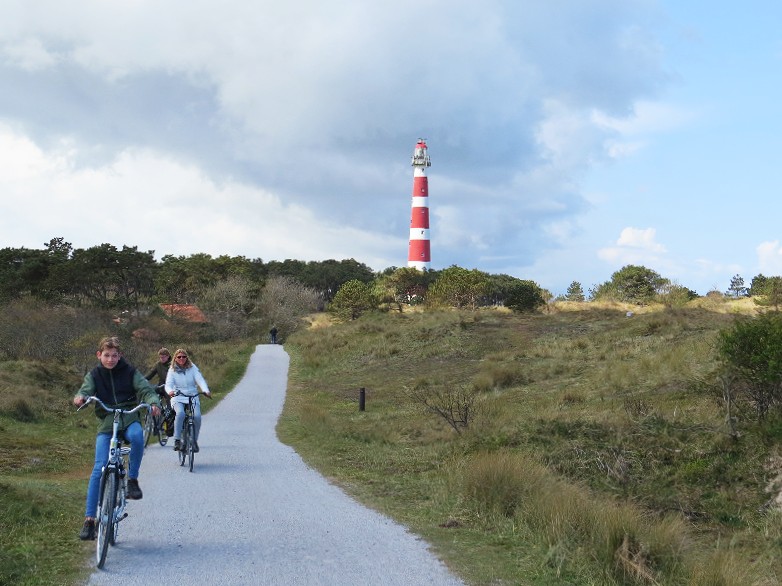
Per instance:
(568,139)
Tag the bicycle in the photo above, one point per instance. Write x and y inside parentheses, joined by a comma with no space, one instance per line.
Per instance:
(154,424)
(187,442)
(113,481)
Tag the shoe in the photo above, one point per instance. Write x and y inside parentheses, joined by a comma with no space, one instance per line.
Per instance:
(87,530)
(195,446)
(134,491)
(177,444)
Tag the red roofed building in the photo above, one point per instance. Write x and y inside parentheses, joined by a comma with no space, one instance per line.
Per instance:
(185,312)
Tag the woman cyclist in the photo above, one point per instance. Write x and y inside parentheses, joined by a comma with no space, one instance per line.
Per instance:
(184,376)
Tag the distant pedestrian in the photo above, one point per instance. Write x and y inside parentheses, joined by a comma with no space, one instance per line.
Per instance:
(273,334)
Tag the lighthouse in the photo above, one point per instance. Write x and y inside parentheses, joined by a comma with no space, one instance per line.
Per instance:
(418,253)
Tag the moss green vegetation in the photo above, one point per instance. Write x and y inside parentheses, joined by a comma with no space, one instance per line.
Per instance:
(46,452)
(579,446)
(572,447)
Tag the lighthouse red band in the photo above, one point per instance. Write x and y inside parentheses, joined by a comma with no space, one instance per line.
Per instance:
(418,254)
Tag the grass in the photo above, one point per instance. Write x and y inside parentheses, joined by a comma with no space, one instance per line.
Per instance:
(597,452)
(46,458)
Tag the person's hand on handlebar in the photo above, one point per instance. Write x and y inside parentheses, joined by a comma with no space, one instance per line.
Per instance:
(79,400)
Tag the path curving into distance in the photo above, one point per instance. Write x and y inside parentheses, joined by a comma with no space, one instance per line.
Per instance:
(253,513)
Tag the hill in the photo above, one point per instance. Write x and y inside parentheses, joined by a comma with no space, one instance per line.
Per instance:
(583,445)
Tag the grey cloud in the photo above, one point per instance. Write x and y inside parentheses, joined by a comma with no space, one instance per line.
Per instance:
(323,106)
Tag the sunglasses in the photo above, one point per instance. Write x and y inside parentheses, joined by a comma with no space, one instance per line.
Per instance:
(181,356)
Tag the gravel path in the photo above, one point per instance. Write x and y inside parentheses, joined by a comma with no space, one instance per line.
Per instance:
(255,513)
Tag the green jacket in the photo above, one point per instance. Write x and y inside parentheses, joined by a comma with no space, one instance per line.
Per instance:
(142,391)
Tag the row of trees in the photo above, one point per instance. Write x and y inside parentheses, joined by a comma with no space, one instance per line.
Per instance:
(109,277)
(128,279)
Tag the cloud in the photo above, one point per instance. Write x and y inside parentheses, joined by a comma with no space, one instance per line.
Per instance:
(314,108)
(144,198)
(634,246)
(769,256)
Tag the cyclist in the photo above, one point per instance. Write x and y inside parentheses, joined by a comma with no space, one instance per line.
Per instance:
(160,370)
(184,376)
(117,383)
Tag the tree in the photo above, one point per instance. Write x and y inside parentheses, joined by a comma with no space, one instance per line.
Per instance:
(284,302)
(525,296)
(751,351)
(404,286)
(631,284)
(758,285)
(574,292)
(230,303)
(672,295)
(458,287)
(499,289)
(737,288)
(107,277)
(353,299)
(772,293)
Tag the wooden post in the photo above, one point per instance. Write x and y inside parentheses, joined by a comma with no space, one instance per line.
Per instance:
(362,399)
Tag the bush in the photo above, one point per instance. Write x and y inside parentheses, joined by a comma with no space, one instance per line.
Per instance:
(751,351)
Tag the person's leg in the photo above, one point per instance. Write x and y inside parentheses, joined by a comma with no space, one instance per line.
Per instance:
(179,420)
(134,435)
(102,442)
(197,419)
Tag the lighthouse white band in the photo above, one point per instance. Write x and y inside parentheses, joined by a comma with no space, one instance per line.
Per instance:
(420,202)
(419,233)
(418,264)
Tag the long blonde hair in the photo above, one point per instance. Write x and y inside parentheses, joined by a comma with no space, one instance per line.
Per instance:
(181,352)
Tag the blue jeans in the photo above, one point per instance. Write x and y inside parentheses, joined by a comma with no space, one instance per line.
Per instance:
(134,434)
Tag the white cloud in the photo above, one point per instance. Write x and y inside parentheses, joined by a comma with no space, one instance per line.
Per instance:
(307,108)
(146,199)
(634,246)
(769,256)
(28,54)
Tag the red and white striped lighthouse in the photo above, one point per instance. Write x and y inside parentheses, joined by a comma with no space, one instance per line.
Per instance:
(418,254)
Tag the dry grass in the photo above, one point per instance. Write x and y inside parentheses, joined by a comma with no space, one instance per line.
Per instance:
(597,454)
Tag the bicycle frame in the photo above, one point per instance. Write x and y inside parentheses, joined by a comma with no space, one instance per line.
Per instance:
(113,480)
(186,450)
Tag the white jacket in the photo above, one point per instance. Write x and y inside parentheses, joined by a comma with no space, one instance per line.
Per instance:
(185,382)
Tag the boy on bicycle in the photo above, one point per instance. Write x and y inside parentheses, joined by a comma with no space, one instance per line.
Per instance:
(117,383)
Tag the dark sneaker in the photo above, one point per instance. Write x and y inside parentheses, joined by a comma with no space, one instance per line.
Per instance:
(195,446)
(87,530)
(134,491)
(177,445)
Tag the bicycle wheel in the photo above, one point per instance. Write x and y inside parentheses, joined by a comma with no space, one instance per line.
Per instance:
(149,427)
(190,444)
(105,521)
(119,505)
(162,438)
(183,445)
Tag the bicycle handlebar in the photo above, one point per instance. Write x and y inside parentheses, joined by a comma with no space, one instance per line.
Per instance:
(94,399)
(179,393)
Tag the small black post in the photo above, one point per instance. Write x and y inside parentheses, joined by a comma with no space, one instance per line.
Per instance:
(362,399)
